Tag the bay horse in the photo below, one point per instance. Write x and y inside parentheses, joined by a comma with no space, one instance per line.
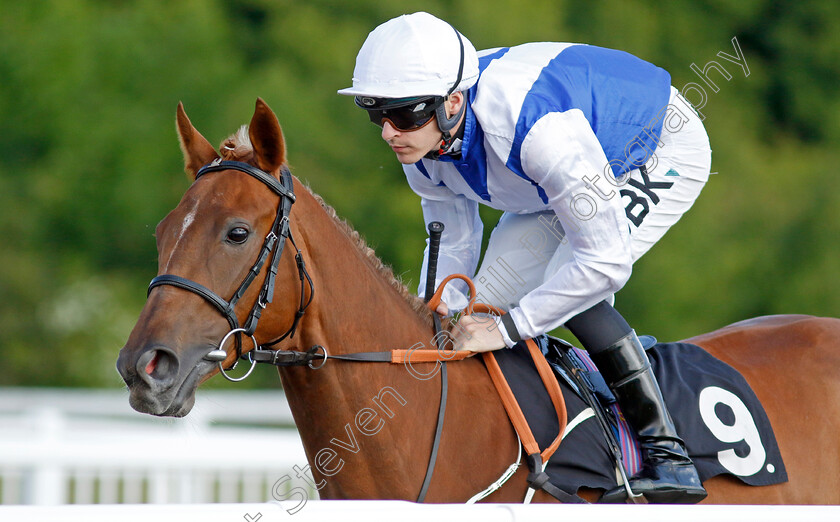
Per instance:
(367,429)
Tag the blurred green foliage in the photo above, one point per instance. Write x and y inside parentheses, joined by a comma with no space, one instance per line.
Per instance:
(88,91)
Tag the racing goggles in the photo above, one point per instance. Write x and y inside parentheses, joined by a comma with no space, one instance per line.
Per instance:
(404,114)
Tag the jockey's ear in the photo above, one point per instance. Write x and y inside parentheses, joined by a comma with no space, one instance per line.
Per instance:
(267,138)
(454,103)
(197,150)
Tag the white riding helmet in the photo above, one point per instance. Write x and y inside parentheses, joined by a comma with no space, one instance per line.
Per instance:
(413,55)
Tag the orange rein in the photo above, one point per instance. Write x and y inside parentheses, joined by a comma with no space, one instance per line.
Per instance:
(517,418)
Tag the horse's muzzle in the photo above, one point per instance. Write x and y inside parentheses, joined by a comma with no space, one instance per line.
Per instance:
(155,381)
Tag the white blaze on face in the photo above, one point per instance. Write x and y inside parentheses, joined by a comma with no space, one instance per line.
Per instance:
(188,220)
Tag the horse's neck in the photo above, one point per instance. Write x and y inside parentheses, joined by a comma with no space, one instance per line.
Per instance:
(356,309)
(376,420)
(356,306)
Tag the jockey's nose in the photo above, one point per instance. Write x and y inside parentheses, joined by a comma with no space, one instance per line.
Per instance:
(388,131)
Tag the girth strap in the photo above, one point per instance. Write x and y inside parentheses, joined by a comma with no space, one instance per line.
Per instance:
(538,479)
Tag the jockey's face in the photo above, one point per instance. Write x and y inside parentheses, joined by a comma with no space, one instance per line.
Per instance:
(411,146)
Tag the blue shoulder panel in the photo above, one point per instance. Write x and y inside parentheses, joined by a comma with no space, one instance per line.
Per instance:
(422,169)
(473,162)
(620,96)
(472,165)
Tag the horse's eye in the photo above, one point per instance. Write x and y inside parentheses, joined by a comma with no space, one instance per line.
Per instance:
(238,235)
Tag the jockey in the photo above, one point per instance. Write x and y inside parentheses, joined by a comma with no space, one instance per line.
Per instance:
(592,156)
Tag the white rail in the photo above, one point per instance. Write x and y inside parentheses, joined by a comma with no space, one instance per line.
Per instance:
(388,511)
(90,447)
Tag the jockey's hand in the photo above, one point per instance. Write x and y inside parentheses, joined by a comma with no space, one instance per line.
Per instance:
(442,309)
(477,334)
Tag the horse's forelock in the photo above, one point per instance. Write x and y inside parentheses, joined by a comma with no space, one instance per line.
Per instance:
(237,146)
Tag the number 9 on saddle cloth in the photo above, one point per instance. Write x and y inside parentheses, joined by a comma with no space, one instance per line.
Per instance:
(724,426)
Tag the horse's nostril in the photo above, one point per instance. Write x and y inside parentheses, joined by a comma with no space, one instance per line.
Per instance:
(157,365)
(153,363)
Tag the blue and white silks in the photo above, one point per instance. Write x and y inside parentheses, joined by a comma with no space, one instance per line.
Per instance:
(545,123)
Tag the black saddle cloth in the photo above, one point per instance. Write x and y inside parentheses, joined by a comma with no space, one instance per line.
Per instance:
(722,422)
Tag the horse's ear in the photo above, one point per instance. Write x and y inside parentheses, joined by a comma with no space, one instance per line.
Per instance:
(197,150)
(267,138)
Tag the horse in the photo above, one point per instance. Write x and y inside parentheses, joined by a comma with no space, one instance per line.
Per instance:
(368,429)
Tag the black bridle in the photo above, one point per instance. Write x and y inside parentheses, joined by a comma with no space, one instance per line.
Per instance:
(273,245)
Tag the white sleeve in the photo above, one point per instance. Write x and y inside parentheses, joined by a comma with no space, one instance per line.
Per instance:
(460,244)
(562,154)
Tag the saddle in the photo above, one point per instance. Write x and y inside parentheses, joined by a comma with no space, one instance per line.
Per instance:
(723,424)
(546,382)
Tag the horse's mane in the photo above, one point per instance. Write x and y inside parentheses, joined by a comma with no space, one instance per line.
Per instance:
(237,147)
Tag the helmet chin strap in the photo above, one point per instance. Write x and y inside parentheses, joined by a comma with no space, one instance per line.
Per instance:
(447,126)
(445,123)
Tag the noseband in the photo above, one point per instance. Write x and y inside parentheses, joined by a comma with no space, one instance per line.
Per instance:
(272,245)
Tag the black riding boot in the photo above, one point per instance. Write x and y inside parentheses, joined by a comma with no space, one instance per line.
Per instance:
(667,476)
